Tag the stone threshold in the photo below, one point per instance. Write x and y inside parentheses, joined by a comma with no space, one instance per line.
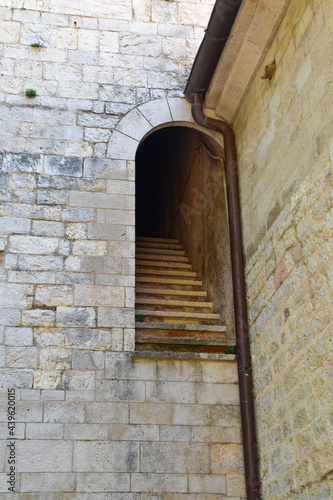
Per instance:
(200,356)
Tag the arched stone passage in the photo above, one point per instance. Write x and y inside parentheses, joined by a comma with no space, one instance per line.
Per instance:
(148,117)
(202,228)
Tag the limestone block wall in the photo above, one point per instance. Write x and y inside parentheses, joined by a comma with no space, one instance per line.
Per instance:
(284,136)
(91,421)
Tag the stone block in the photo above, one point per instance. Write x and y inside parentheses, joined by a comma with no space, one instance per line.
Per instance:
(174,458)
(38,317)
(93,248)
(76,317)
(31,277)
(47,379)
(58,358)
(227,458)
(22,357)
(96,134)
(227,394)
(207,483)
(47,228)
(31,411)
(150,413)
(120,187)
(101,456)
(52,395)
(101,482)
(54,296)
(105,413)
(124,367)
(180,109)
(15,296)
(44,481)
(132,432)
(190,414)
(22,162)
(226,416)
(19,431)
(64,412)
(106,231)
(78,380)
(121,147)
(220,372)
(40,263)
(85,338)
(32,244)
(94,295)
(78,214)
(86,432)
(178,370)
(96,200)
(117,317)
(44,455)
(15,336)
(159,483)
(104,168)
(175,433)
(46,337)
(44,431)
(156,112)
(120,390)
(10,317)
(51,197)
(14,225)
(170,392)
(88,360)
(112,265)
(212,434)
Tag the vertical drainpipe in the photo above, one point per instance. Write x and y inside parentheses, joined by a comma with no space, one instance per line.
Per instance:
(239,294)
(218,30)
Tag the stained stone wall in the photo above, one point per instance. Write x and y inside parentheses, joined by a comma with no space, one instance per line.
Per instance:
(284,137)
(92,422)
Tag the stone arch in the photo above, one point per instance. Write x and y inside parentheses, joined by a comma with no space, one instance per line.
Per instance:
(148,117)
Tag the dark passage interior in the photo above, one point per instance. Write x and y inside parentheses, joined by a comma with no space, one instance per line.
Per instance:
(180,194)
(163,164)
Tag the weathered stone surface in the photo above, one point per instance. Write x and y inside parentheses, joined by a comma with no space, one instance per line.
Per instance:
(101,456)
(21,162)
(75,317)
(45,456)
(174,457)
(32,244)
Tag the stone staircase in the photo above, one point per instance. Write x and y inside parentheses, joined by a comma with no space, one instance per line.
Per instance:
(172,310)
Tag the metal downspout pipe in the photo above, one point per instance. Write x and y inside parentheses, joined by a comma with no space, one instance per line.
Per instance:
(239,294)
(219,27)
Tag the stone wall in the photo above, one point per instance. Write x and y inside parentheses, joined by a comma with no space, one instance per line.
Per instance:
(284,137)
(93,422)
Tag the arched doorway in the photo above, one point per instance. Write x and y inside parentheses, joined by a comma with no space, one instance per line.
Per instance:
(180,196)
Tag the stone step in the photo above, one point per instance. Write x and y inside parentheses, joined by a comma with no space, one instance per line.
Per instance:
(186,284)
(183,305)
(178,316)
(163,258)
(156,240)
(163,264)
(161,246)
(160,251)
(169,292)
(182,330)
(165,272)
